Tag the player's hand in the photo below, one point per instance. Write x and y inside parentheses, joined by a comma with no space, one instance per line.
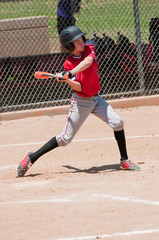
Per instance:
(67,74)
(59,77)
(63,76)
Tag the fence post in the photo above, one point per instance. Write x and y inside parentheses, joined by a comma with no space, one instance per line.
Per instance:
(138,45)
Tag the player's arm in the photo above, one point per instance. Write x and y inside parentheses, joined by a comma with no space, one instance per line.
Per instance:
(76,86)
(87,62)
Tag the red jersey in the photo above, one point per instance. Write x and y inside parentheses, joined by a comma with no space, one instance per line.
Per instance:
(89,78)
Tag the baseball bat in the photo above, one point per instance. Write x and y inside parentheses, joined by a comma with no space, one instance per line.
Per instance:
(46,75)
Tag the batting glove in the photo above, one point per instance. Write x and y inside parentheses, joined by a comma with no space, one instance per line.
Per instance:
(67,74)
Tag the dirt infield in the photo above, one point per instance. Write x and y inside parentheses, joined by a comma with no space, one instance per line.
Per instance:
(78,191)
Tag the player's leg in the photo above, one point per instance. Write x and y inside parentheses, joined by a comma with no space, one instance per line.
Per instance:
(105,112)
(31,157)
(79,111)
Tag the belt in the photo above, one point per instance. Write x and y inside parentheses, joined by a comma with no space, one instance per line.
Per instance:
(92,96)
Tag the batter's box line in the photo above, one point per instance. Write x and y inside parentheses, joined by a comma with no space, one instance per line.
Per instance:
(80,140)
(78,197)
(123,234)
(120,198)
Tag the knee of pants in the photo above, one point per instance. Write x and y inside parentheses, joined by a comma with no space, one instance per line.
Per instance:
(62,141)
(119,126)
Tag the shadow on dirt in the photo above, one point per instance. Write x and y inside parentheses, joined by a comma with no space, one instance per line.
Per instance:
(33,175)
(111,168)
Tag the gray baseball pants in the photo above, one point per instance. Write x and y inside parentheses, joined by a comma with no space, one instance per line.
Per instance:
(80,109)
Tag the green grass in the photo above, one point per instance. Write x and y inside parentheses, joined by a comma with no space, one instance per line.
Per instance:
(96,16)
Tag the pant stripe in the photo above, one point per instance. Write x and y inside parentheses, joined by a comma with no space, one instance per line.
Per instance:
(68,119)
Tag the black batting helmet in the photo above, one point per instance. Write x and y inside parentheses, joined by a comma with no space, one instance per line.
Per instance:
(70,34)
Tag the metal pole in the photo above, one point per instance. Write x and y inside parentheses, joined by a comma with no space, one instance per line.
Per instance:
(138,45)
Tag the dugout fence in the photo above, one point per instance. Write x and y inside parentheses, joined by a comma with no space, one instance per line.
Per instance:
(125,34)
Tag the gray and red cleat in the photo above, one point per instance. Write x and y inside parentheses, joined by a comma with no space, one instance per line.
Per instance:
(128,165)
(24,165)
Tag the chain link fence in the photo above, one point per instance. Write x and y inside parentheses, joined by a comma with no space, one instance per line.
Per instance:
(125,34)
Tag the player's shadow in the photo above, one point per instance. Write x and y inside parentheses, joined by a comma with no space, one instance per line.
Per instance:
(33,175)
(93,170)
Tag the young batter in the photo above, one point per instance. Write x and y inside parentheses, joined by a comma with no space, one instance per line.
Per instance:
(82,69)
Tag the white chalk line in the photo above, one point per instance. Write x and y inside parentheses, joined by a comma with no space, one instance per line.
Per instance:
(64,200)
(90,198)
(75,140)
(126,199)
(30,184)
(120,234)
(7,167)
(36,201)
(78,198)
(80,140)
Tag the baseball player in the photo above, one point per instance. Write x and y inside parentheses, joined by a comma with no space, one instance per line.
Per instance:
(82,69)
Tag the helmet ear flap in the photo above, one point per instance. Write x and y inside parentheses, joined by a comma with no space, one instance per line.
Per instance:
(69,47)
